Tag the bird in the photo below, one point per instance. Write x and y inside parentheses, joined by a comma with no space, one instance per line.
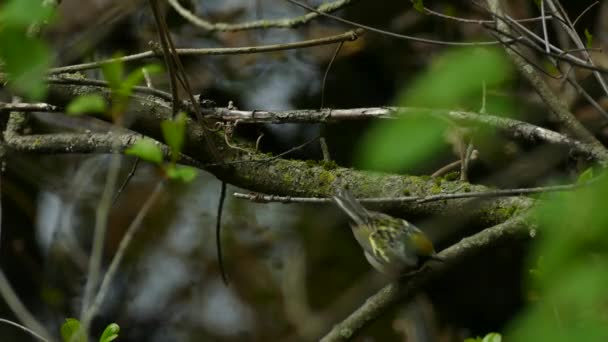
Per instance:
(393,246)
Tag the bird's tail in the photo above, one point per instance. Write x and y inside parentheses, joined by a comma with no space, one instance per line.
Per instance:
(351,206)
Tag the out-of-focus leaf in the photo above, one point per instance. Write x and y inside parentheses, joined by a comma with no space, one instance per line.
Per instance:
(26,62)
(174,132)
(135,77)
(452,81)
(182,173)
(92,103)
(22,13)
(70,328)
(589,39)
(113,72)
(146,149)
(492,337)
(454,76)
(396,144)
(586,176)
(418,5)
(572,282)
(110,333)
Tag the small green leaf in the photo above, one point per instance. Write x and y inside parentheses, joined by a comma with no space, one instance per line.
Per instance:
(418,5)
(110,333)
(113,72)
(146,149)
(135,77)
(174,132)
(92,103)
(473,339)
(183,173)
(586,176)
(492,337)
(70,328)
(589,38)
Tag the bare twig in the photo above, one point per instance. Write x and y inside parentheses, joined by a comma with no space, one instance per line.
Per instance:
(258,24)
(218,236)
(122,247)
(392,34)
(261,198)
(346,36)
(20,310)
(28,107)
(24,328)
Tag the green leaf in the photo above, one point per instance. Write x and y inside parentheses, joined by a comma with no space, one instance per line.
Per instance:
(70,329)
(174,132)
(92,103)
(146,149)
(395,144)
(110,333)
(492,337)
(135,77)
(26,62)
(418,5)
(571,281)
(455,76)
(182,173)
(586,176)
(113,72)
(22,13)
(589,38)
(473,339)
(454,80)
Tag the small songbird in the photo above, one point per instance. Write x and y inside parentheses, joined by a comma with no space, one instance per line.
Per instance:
(391,245)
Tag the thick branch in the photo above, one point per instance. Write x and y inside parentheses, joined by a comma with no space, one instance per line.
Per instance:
(513,128)
(249,169)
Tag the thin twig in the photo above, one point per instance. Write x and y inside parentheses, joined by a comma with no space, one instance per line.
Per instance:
(257,24)
(28,107)
(126,181)
(392,34)
(261,198)
(122,247)
(20,310)
(99,233)
(218,236)
(467,157)
(331,62)
(346,36)
(447,168)
(24,328)
(583,13)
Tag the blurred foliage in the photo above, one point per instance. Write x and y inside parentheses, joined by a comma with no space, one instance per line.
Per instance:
(567,283)
(146,149)
(25,57)
(90,103)
(452,81)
